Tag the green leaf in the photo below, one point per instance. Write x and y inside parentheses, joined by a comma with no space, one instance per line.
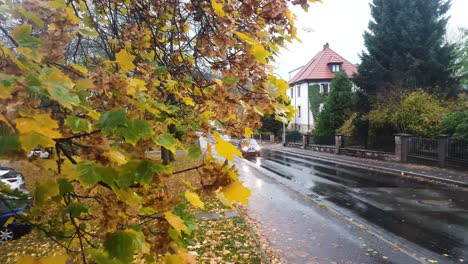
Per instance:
(44,191)
(31,140)
(102,257)
(32,16)
(8,143)
(136,171)
(22,35)
(168,141)
(91,173)
(65,186)
(112,120)
(120,245)
(78,124)
(194,152)
(160,70)
(58,85)
(76,209)
(230,80)
(135,130)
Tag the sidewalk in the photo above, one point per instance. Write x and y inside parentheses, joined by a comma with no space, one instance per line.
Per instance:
(447,176)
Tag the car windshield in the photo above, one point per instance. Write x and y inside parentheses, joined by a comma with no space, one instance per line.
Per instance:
(5,174)
(7,204)
(249,142)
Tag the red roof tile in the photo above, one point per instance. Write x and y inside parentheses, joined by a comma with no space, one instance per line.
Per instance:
(318,67)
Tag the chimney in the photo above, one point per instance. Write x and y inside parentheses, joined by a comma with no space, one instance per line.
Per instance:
(326,46)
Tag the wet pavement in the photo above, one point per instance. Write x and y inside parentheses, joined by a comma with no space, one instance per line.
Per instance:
(400,220)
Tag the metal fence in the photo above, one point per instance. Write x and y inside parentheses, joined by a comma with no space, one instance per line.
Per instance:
(262,138)
(376,143)
(424,148)
(322,140)
(457,153)
(294,138)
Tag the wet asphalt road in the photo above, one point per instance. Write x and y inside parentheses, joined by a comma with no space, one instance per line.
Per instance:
(400,220)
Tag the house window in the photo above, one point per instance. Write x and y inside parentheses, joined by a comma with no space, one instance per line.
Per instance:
(321,107)
(298,111)
(298,91)
(336,67)
(324,88)
(292,92)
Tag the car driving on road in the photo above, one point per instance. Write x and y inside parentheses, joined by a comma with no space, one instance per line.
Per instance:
(248,147)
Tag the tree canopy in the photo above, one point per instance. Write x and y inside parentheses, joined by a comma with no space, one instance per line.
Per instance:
(338,106)
(406,49)
(102,82)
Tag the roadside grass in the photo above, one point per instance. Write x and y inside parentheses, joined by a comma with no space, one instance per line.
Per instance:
(217,240)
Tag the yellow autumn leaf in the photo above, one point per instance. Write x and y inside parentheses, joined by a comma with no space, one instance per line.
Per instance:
(260,53)
(42,124)
(83,84)
(116,156)
(9,221)
(32,139)
(218,82)
(246,38)
(282,86)
(188,101)
(248,132)
(128,196)
(226,149)
(6,91)
(48,164)
(125,60)
(176,222)
(79,68)
(135,85)
(181,258)
(235,191)
(218,8)
(194,199)
(188,184)
(58,259)
(71,15)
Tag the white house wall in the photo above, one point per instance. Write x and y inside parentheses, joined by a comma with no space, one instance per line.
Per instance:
(305,121)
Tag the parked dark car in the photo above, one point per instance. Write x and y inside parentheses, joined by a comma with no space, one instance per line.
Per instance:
(9,208)
(249,147)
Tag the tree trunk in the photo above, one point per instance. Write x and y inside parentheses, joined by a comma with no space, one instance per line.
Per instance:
(165,155)
(172,130)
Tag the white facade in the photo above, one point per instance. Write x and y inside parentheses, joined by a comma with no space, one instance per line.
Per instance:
(299,95)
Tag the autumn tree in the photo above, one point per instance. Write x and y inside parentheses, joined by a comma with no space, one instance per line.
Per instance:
(103,81)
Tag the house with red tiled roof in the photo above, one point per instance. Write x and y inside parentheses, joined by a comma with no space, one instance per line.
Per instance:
(320,70)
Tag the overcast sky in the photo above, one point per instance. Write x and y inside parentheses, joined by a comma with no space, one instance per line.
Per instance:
(341,23)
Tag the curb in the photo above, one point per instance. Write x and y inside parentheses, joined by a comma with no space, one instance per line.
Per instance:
(265,256)
(399,172)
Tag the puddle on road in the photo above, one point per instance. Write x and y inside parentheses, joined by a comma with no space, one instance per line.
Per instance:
(429,215)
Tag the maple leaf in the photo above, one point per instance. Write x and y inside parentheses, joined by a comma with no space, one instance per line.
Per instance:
(125,60)
(260,53)
(226,149)
(235,191)
(194,199)
(176,222)
(218,8)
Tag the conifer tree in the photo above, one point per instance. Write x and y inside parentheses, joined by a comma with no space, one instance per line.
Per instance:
(406,48)
(338,106)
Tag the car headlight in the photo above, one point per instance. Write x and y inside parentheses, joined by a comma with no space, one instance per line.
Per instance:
(257,148)
(245,148)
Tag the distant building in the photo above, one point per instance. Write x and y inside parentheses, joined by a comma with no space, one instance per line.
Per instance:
(319,70)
